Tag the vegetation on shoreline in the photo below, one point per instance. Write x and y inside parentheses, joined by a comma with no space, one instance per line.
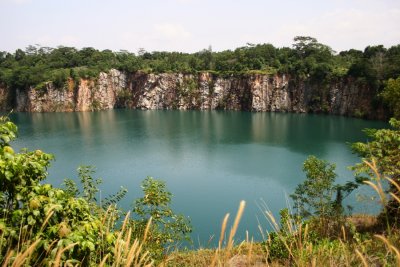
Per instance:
(307,59)
(42,225)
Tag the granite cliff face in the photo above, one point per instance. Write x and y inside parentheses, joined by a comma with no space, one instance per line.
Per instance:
(87,95)
(5,103)
(204,91)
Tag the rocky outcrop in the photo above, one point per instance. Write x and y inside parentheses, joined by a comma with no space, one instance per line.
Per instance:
(203,91)
(5,103)
(46,99)
(87,95)
(101,94)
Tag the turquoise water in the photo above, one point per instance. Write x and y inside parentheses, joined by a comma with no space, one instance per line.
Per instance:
(210,159)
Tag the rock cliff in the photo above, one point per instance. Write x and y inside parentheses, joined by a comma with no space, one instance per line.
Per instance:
(204,91)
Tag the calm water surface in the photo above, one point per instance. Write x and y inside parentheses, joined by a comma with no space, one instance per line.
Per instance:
(210,160)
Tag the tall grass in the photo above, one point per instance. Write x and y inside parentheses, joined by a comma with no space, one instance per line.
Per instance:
(127,251)
(299,244)
(292,243)
(222,255)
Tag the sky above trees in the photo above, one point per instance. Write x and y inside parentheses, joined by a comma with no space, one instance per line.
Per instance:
(192,25)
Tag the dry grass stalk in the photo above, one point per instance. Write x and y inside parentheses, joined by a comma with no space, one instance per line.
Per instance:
(50,213)
(103,221)
(119,243)
(378,186)
(128,239)
(215,258)
(249,254)
(132,252)
(103,262)
(235,225)
(393,182)
(232,233)
(390,246)
(344,233)
(344,252)
(8,257)
(395,197)
(143,261)
(147,230)
(261,231)
(22,257)
(125,221)
(223,228)
(362,258)
(57,261)
(271,219)
(129,254)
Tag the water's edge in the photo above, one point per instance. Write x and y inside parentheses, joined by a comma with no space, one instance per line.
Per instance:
(210,160)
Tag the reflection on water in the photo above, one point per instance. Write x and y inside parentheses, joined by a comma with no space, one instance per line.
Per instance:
(210,160)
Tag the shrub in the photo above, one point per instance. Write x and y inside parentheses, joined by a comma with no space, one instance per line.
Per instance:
(55,225)
(167,228)
(319,197)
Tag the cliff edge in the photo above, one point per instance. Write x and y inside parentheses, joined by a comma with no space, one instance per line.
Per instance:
(203,91)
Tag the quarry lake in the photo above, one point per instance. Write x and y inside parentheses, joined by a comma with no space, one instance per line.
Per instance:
(210,160)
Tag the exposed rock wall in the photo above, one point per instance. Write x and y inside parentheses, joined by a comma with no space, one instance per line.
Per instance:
(87,95)
(5,103)
(178,91)
(204,91)
(46,99)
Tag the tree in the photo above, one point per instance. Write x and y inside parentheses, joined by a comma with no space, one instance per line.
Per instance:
(38,211)
(318,197)
(314,195)
(306,46)
(313,59)
(207,58)
(384,149)
(392,63)
(377,57)
(167,228)
(19,54)
(391,95)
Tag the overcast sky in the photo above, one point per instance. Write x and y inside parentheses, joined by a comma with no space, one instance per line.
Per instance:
(192,25)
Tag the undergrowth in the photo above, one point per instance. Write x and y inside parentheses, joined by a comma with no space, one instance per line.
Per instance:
(45,226)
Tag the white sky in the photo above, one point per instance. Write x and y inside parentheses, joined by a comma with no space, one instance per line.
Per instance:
(192,25)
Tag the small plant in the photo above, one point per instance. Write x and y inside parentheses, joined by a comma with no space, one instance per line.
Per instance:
(167,228)
(278,240)
(90,188)
(319,197)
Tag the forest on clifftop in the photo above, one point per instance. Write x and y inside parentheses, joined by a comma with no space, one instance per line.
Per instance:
(307,59)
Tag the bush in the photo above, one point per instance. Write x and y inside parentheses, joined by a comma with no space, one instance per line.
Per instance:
(319,197)
(66,225)
(167,228)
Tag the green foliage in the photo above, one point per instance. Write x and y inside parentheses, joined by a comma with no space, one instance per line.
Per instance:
(71,189)
(167,228)
(278,240)
(276,246)
(32,210)
(384,150)
(90,186)
(70,221)
(391,95)
(318,197)
(307,59)
(314,195)
(18,171)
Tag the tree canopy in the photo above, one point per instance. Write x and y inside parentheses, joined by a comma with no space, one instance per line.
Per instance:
(306,59)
